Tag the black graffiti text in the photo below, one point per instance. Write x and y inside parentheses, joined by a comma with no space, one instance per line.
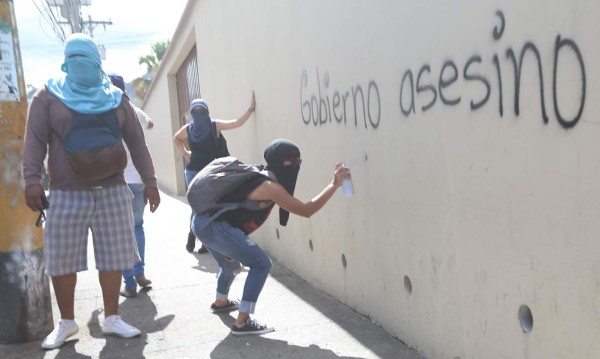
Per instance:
(357,105)
(422,93)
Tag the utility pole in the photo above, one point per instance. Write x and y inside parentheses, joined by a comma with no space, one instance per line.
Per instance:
(71,11)
(25,305)
(92,24)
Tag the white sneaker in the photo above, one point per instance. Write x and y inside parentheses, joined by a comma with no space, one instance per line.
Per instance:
(61,332)
(114,325)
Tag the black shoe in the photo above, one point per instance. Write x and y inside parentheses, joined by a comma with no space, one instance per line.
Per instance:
(191,243)
(251,327)
(202,249)
(229,307)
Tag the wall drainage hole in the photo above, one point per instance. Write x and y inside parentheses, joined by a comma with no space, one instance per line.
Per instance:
(310,245)
(525,318)
(277,233)
(344,263)
(407,285)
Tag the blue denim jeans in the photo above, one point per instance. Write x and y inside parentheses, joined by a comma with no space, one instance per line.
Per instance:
(137,206)
(222,241)
(189,176)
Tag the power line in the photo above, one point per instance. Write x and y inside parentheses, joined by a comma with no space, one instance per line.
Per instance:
(47,14)
(70,10)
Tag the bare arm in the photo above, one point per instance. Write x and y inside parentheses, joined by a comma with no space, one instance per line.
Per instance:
(181,139)
(228,125)
(273,191)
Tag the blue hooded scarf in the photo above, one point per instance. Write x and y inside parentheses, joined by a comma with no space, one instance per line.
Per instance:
(84,88)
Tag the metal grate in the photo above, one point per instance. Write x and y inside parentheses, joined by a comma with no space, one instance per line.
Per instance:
(188,84)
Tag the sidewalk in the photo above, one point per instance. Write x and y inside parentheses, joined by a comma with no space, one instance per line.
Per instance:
(176,321)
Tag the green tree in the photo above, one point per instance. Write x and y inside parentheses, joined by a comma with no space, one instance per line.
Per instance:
(152,61)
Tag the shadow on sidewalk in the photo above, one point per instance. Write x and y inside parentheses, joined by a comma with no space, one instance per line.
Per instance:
(343,316)
(206,263)
(255,346)
(67,351)
(139,312)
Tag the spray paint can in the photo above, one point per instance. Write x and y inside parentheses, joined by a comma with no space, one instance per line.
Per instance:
(347,186)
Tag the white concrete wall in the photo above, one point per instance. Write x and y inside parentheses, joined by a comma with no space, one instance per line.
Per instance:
(483,209)
(162,108)
(161,103)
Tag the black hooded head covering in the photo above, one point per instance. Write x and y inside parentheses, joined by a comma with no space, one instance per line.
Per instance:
(276,153)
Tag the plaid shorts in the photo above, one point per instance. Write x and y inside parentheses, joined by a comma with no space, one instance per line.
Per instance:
(107,213)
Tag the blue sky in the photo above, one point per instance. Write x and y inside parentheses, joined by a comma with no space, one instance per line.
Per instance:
(136,25)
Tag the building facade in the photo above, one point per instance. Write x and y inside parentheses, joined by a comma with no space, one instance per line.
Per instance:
(470,129)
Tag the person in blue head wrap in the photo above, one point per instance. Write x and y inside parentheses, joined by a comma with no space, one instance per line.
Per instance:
(199,128)
(84,98)
(85,87)
(201,141)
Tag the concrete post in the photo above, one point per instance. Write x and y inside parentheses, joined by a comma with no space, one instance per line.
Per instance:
(25,306)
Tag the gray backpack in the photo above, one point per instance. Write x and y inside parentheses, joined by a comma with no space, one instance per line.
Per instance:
(218,179)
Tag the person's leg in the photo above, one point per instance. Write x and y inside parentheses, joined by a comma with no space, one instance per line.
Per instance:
(110,282)
(64,289)
(137,206)
(260,265)
(228,269)
(130,283)
(202,249)
(65,249)
(233,243)
(191,240)
(65,244)
(114,249)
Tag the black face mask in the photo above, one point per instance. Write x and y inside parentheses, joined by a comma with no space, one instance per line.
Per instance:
(278,152)
(286,177)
